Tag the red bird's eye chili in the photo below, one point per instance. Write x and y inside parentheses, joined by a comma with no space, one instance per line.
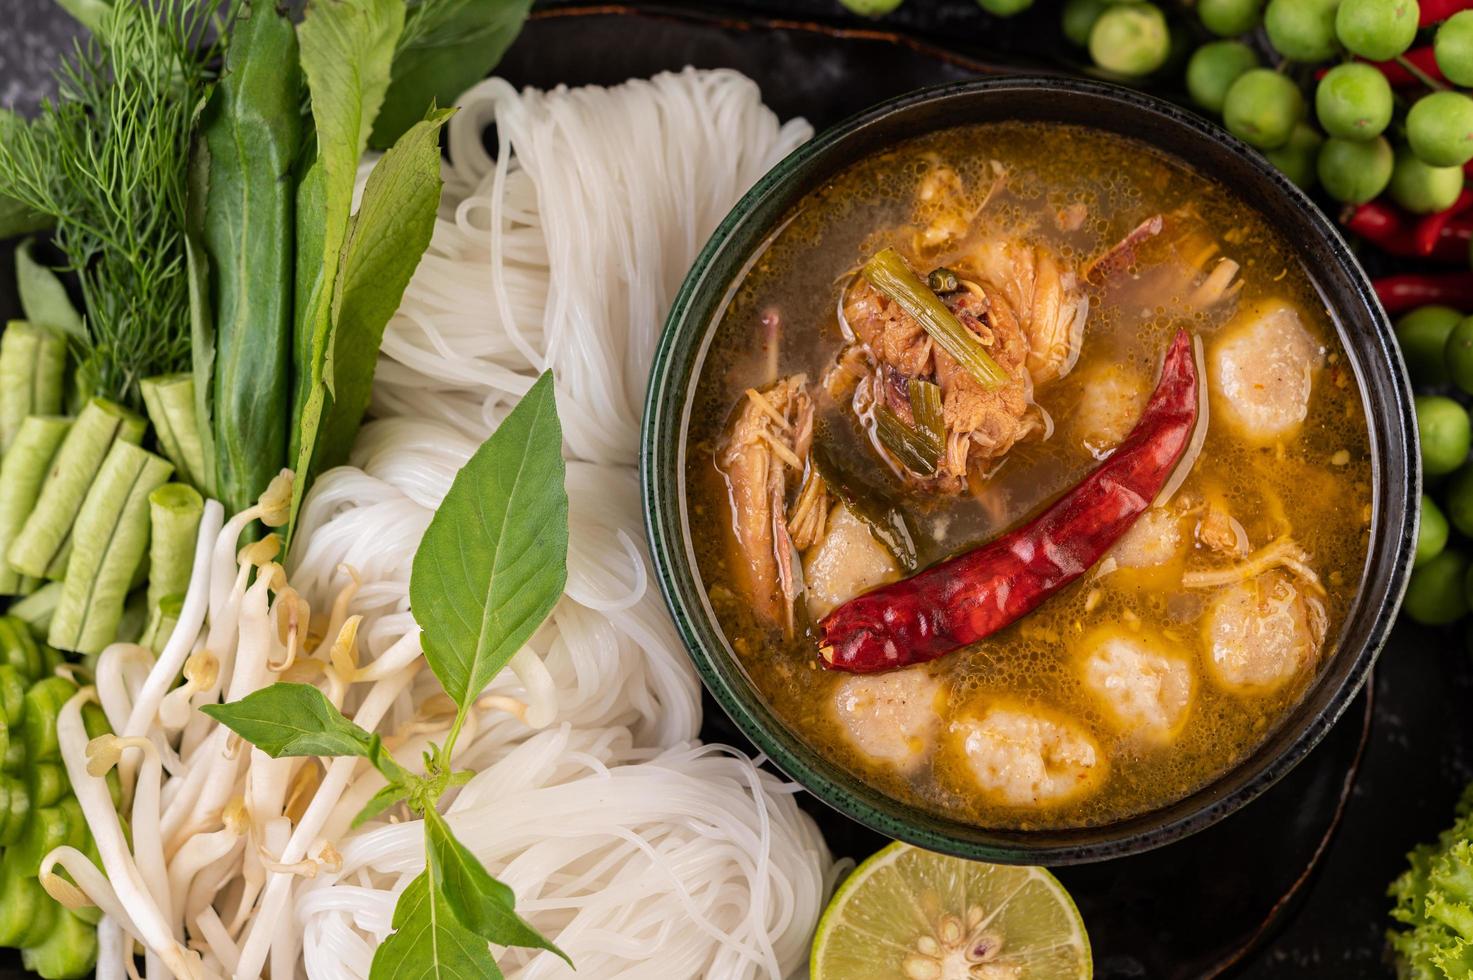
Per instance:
(1407,292)
(966,598)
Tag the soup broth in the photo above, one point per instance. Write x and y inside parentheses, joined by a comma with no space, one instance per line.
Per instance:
(1174,656)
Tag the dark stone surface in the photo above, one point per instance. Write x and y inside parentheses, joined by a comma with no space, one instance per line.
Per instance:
(1420,747)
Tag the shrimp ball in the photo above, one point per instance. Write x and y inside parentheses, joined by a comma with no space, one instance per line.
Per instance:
(846,562)
(1261,633)
(891,717)
(1025,757)
(1154,539)
(1262,371)
(1142,685)
(1109,405)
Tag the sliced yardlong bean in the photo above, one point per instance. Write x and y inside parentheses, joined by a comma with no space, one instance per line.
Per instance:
(19,649)
(170,401)
(15,808)
(36,609)
(161,623)
(110,539)
(42,547)
(32,366)
(174,512)
(27,913)
(22,471)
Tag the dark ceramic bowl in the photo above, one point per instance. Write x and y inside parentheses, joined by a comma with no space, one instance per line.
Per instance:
(1364,331)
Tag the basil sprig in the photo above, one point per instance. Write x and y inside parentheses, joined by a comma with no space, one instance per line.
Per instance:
(489,569)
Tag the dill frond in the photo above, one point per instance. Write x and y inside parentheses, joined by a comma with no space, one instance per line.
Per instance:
(108,160)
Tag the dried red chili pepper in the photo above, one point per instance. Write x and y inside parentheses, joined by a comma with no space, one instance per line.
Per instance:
(1399,293)
(966,598)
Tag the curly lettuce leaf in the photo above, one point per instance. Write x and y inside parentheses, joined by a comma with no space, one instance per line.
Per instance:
(1434,902)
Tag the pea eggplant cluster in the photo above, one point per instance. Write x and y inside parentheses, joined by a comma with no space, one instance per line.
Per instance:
(37,809)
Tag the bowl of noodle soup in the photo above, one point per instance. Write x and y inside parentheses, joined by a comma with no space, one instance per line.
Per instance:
(769,705)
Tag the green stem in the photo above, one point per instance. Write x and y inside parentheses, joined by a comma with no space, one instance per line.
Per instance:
(449,746)
(889,273)
(174,512)
(170,401)
(111,537)
(32,366)
(42,547)
(22,471)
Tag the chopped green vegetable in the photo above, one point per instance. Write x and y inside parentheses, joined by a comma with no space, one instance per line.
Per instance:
(42,547)
(162,619)
(251,128)
(36,609)
(174,512)
(888,272)
(926,409)
(174,411)
(32,365)
(22,472)
(914,451)
(1434,904)
(109,544)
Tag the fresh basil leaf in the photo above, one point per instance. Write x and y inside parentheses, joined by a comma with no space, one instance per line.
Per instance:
(386,239)
(252,127)
(42,296)
(428,941)
(493,560)
(379,802)
(347,49)
(447,46)
(484,905)
(297,719)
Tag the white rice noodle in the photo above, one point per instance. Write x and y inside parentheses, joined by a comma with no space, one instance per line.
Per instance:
(688,862)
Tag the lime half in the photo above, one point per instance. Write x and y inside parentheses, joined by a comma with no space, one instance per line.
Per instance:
(909,914)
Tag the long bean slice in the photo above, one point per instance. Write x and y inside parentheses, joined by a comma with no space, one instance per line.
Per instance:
(171,404)
(32,366)
(22,471)
(888,272)
(42,546)
(27,913)
(19,649)
(36,609)
(69,949)
(111,539)
(162,619)
(174,512)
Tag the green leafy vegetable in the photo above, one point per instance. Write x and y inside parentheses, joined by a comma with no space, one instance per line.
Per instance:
(1434,905)
(347,49)
(251,130)
(43,298)
(429,941)
(493,561)
(484,905)
(386,239)
(888,272)
(108,163)
(447,46)
(298,719)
